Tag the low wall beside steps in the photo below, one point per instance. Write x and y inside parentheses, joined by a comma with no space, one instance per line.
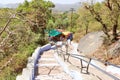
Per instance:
(28,73)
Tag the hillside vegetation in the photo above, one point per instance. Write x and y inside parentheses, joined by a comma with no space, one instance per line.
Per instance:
(24,28)
(21,31)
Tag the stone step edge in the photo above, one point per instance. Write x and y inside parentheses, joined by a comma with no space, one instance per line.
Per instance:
(48,65)
(47,59)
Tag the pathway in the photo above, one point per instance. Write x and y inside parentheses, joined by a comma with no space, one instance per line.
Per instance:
(50,69)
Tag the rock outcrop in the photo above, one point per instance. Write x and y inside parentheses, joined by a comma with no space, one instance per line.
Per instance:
(114,50)
(90,42)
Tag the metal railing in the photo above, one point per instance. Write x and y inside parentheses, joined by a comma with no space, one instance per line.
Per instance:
(82,58)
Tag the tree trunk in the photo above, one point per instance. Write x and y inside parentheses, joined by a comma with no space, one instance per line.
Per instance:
(86,29)
(115,32)
(105,30)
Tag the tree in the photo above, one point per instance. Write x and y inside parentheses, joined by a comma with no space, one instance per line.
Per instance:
(16,43)
(37,14)
(83,19)
(50,24)
(12,34)
(111,13)
(114,8)
(61,20)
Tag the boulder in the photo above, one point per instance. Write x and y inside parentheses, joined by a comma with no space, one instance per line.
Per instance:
(90,42)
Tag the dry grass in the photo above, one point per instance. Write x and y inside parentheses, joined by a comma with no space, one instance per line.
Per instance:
(77,36)
(101,54)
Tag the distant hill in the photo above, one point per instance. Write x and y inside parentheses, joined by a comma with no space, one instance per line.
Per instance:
(66,7)
(58,7)
(14,5)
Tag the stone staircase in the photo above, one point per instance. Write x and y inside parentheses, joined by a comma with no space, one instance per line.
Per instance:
(49,68)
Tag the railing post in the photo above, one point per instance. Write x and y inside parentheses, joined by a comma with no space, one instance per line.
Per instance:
(81,65)
(66,45)
(88,65)
(68,57)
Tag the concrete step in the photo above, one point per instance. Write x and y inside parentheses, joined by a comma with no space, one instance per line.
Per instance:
(46,77)
(47,59)
(49,70)
(48,65)
(47,54)
(60,76)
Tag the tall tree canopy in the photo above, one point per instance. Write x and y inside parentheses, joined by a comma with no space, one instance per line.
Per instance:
(36,13)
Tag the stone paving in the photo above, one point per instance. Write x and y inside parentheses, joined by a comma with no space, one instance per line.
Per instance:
(49,69)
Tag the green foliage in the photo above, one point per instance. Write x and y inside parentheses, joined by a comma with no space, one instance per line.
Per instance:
(16,42)
(24,7)
(38,12)
(86,23)
(8,75)
(98,6)
(64,20)
(50,24)
(19,61)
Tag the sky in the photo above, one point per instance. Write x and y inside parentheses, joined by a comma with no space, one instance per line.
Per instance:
(54,1)
(11,1)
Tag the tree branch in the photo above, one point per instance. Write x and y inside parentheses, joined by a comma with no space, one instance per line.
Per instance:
(109,5)
(8,22)
(31,22)
(98,18)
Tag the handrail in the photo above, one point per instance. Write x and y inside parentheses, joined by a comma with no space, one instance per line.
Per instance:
(108,63)
(110,75)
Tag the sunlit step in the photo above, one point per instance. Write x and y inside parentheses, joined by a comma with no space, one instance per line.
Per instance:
(47,59)
(51,77)
(48,65)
